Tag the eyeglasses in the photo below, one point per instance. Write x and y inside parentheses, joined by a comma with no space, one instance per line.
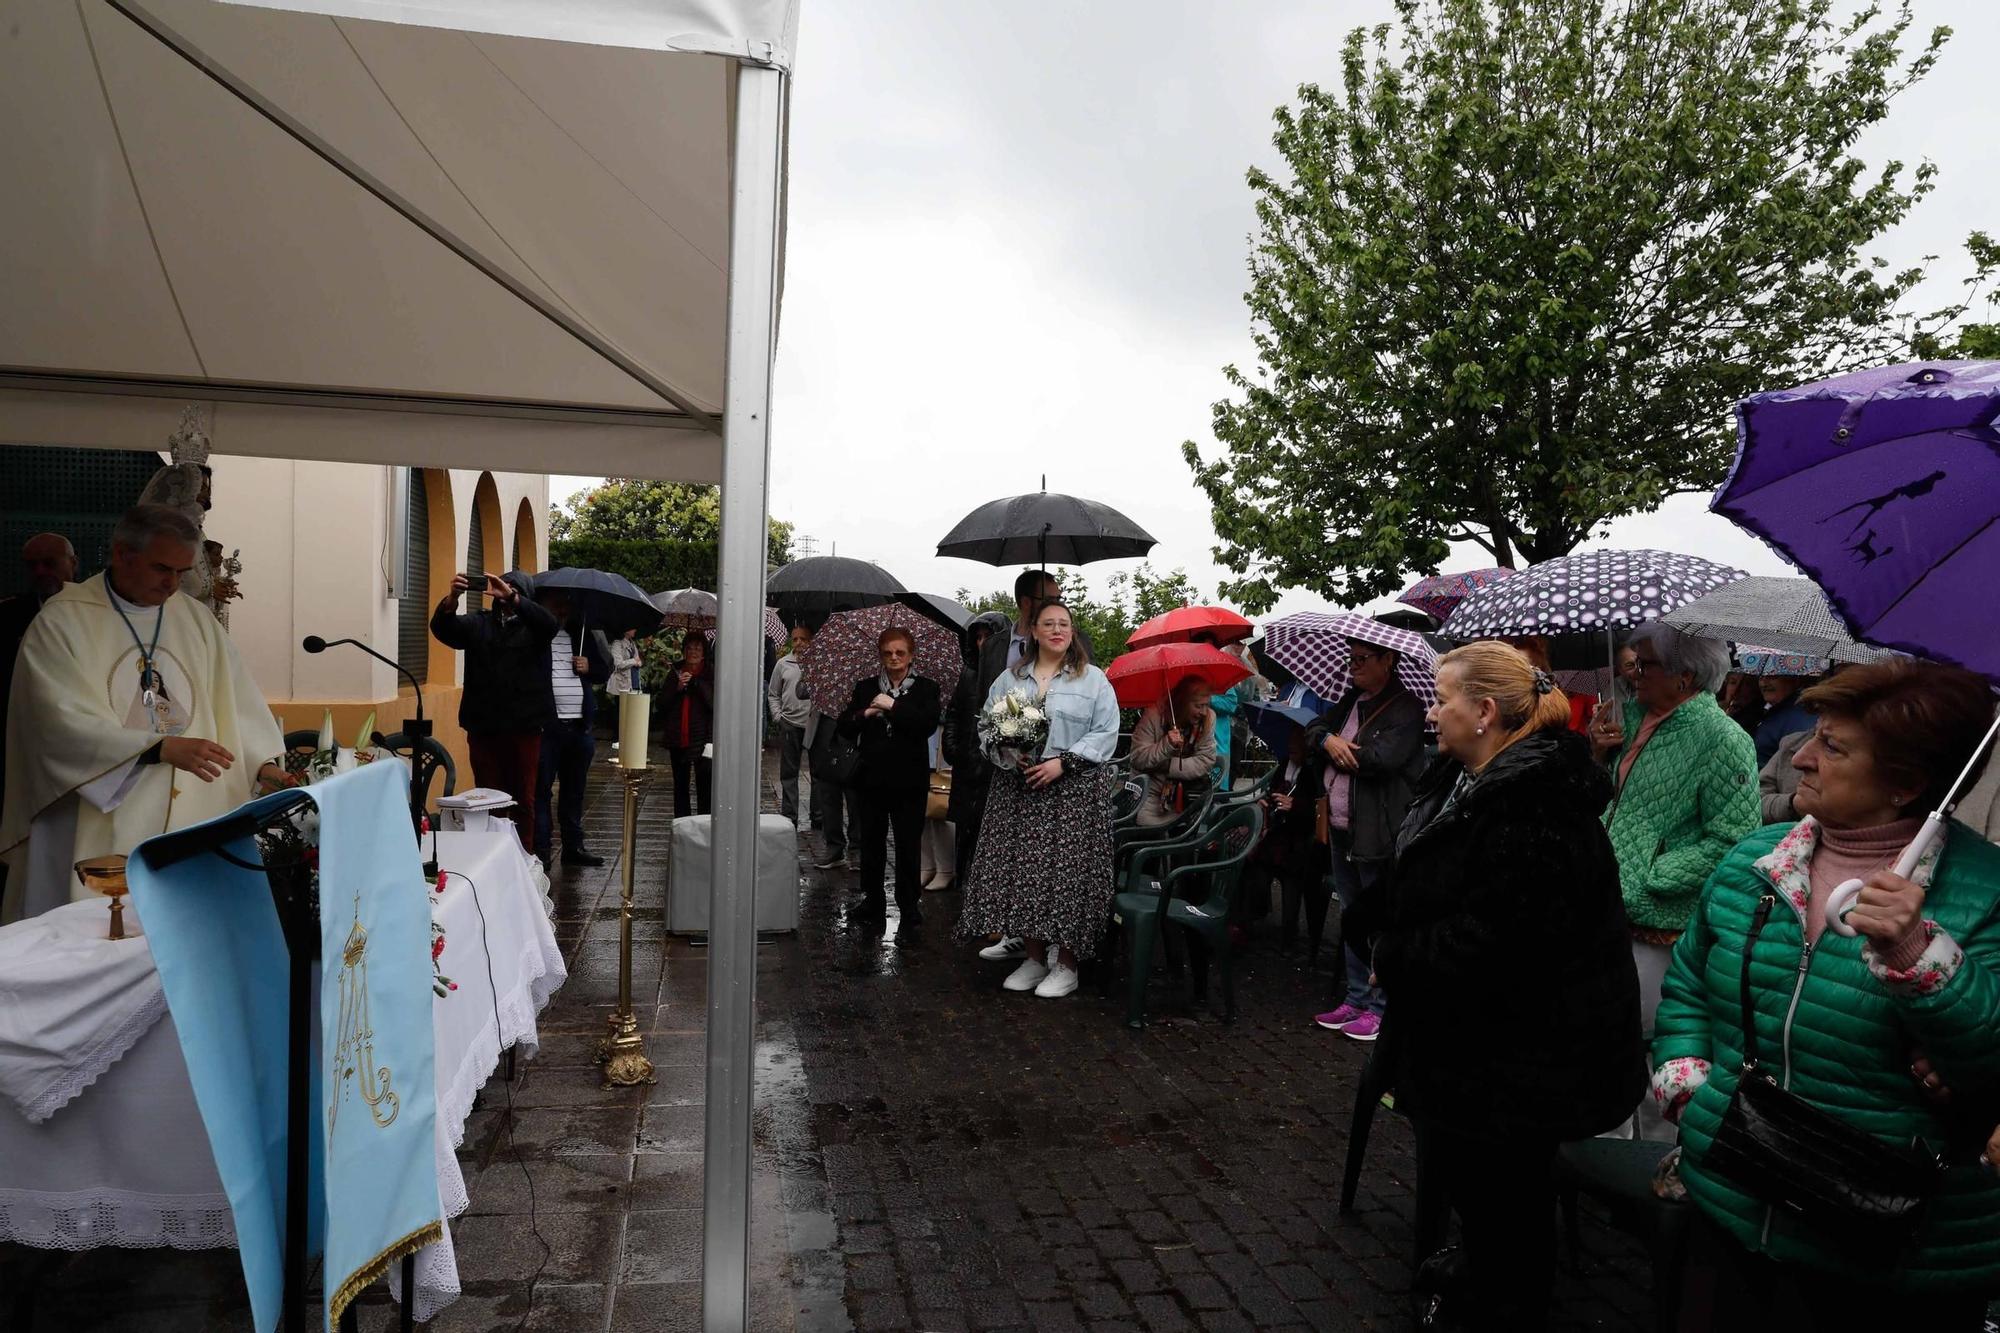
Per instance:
(1361,655)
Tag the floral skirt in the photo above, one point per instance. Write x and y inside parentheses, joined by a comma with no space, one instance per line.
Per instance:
(1042,869)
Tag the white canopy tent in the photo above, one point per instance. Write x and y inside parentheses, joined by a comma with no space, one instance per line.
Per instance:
(519,235)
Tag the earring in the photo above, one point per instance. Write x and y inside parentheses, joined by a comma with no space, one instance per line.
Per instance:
(1480,732)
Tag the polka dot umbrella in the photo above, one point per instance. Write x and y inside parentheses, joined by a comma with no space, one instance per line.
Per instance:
(1588,592)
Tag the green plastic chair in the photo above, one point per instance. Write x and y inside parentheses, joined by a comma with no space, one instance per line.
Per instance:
(1139,909)
(1209,919)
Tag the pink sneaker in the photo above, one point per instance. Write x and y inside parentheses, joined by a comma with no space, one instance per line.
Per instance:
(1338,1019)
(1365,1028)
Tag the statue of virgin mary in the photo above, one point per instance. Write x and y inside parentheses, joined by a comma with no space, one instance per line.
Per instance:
(183,484)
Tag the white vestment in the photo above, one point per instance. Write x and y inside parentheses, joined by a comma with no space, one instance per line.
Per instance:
(78,722)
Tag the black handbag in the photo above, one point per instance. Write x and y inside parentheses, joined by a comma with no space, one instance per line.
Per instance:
(838,762)
(1840,1180)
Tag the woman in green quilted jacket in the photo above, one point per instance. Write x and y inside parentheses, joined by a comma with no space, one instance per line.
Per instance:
(1841,1021)
(1686,792)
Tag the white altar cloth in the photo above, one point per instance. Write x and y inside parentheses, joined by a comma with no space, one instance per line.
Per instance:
(127,1162)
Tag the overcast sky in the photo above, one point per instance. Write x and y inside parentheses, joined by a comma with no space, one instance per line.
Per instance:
(1018,241)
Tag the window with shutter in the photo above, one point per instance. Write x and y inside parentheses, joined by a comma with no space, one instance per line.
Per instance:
(413,610)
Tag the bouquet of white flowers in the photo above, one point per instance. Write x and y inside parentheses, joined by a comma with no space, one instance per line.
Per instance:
(1013,728)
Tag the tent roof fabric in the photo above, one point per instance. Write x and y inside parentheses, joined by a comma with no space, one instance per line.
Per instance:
(374,241)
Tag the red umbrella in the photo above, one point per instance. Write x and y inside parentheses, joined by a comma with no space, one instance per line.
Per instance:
(1149,675)
(1183,623)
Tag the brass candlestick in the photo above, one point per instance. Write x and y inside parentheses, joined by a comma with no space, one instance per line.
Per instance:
(622,1052)
(106,875)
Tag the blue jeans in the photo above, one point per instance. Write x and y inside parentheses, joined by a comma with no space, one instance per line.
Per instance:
(1351,879)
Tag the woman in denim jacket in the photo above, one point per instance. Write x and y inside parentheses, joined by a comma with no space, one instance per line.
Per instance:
(1042,870)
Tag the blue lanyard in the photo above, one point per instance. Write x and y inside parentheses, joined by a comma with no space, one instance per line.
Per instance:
(149,676)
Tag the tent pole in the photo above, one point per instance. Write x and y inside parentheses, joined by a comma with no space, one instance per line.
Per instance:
(758,126)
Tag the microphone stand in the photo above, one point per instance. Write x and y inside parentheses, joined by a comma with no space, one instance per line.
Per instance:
(417,730)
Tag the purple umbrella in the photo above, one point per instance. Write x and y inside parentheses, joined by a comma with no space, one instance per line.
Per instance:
(1848,479)
(1439,595)
(1883,487)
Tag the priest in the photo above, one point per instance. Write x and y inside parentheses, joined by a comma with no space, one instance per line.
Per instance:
(130,714)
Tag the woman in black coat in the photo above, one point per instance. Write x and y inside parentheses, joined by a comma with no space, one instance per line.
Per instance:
(1502,945)
(891,717)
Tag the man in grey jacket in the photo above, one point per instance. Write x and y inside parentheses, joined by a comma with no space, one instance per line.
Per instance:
(790,711)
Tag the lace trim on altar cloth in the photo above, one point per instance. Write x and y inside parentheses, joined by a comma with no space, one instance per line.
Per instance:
(93,1061)
(543,972)
(88,1219)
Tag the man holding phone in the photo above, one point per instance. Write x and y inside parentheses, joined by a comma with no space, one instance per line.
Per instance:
(508,698)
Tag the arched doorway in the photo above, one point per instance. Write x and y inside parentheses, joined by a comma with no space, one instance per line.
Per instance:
(527,548)
(483,548)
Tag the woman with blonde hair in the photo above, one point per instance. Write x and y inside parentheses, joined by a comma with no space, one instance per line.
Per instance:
(1505,888)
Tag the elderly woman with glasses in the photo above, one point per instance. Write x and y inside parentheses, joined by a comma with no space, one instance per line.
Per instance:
(1369,748)
(1685,792)
(891,716)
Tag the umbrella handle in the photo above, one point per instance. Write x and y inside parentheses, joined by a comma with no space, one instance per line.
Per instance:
(1844,897)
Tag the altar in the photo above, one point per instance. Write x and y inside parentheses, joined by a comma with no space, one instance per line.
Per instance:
(120,1157)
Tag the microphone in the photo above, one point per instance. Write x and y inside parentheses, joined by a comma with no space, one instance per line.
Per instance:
(313,643)
(417,730)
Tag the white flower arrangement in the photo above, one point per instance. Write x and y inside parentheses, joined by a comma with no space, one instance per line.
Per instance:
(1012,727)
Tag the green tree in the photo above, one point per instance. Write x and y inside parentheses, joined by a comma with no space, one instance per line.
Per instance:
(1523,258)
(629,509)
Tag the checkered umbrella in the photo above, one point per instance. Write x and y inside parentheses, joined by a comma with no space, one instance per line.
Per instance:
(775,631)
(1439,595)
(1313,647)
(845,650)
(1589,592)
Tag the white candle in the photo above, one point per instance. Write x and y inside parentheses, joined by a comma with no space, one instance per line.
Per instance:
(635,713)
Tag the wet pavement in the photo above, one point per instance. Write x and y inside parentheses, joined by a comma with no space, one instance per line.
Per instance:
(931,1153)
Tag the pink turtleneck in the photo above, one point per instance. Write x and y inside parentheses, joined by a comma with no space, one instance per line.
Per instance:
(1857,853)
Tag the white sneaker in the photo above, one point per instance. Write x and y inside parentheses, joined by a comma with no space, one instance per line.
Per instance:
(1010,948)
(1027,976)
(1059,982)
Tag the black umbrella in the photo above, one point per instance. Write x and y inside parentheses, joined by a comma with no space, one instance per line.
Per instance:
(822,584)
(946,612)
(1043,527)
(608,602)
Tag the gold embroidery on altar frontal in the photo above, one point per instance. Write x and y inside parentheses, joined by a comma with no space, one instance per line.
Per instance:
(354,1049)
(430,1233)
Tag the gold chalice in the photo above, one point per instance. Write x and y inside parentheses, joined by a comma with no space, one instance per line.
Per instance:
(106,875)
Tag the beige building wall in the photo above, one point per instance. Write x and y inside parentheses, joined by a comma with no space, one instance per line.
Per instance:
(321,545)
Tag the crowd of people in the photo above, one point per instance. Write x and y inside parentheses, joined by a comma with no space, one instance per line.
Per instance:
(1557,920)
(1555,914)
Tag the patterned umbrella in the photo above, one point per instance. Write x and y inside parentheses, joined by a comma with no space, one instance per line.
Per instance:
(1313,647)
(845,650)
(1145,677)
(1753,661)
(1183,623)
(775,631)
(1439,595)
(1789,615)
(1883,487)
(1589,592)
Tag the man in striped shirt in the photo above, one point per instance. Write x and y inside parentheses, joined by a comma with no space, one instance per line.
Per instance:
(577,661)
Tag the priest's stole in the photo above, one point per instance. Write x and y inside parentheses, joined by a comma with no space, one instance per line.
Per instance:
(217,941)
